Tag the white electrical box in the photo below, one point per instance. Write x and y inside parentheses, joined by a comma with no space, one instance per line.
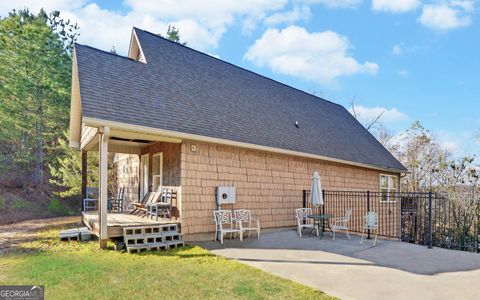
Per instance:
(225,195)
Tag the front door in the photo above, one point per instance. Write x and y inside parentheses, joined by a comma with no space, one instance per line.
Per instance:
(143,175)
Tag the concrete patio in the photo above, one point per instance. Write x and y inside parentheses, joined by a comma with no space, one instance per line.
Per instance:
(346,269)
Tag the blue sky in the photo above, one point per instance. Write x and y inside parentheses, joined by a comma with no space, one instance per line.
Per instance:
(417,60)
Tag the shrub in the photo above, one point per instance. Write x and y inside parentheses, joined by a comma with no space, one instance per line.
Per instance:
(19,203)
(2,203)
(57,208)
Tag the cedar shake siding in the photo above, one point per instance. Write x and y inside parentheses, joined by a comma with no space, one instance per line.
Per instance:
(171,162)
(127,176)
(268,184)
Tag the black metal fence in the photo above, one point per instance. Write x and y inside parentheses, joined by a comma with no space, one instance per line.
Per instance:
(432,219)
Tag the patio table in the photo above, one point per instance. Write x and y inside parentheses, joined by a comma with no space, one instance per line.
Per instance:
(318,221)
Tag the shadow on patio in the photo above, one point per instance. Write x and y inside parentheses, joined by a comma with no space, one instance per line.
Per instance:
(341,251)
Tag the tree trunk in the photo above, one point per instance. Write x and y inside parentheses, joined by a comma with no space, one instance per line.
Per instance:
(39,145)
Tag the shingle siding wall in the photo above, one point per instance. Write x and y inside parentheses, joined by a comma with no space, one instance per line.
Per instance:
(127,175)
(268,184)
(171,161)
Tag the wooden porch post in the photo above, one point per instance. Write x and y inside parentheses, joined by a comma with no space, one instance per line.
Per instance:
(84,174)
(104,134)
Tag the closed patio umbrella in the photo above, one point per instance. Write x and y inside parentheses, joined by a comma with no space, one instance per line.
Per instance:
(316,197)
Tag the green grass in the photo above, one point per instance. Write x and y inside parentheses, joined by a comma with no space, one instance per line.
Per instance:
(82,271)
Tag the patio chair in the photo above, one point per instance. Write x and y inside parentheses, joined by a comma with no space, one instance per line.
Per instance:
(341,223)
(116,203)
(139,206)
(243,218)
(301,214)
(163,207)
(222,218)
(370,223)
(90,203)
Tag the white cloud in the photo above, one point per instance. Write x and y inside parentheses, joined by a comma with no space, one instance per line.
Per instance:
(402,72)
(201,25)
(395,6)
(459,143)
(336,3)
(368,114)
(214,55)
(445,15)
(213,19)
(36,5)
(318,56)
(397,49)
(289,17)
(450,146)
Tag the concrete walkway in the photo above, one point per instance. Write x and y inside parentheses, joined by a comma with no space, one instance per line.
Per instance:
(348,270)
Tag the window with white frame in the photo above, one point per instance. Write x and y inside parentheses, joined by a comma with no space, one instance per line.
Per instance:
(388,187)
(157,167)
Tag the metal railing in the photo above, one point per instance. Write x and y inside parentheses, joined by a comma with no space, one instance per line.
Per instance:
(431,219)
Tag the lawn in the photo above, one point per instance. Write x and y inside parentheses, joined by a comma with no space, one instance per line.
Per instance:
(82,271)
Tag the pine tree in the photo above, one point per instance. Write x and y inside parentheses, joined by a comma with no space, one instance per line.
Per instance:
(35,72)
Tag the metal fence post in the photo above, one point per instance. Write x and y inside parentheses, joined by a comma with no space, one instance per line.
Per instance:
(323,197)
(304,198)
(368,209)
(430,239)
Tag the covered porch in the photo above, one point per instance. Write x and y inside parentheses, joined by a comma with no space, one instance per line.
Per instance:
(144,163)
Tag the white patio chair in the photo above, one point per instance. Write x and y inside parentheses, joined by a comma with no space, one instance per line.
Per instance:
(370,223)
(341,223)
(303,221)
(243,218)
(221,218)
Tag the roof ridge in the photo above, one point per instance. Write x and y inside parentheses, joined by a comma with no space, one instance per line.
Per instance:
(104,51)
(238,67)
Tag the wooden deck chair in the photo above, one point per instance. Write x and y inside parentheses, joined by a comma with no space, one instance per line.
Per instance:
(142,210)
(137,205)
(116,203)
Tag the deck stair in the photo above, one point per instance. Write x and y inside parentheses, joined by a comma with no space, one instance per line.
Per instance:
(152,237)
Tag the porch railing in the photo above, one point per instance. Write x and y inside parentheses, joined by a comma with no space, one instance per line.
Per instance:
(431,219)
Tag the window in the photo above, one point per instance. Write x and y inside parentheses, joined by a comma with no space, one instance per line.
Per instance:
(157,161)
(388,187)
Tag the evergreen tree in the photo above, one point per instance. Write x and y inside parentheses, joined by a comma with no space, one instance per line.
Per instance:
(35,75)
(173,34)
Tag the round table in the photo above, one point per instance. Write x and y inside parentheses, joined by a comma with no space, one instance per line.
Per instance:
(318,220)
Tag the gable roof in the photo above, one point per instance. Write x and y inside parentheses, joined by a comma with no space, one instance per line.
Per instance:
(182,90)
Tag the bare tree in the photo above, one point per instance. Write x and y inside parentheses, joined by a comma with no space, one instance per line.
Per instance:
(368,124)
(386,137)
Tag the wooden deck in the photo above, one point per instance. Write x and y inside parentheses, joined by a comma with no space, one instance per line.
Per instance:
(116,222)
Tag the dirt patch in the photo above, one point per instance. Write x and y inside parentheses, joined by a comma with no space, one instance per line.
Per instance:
(14,234)
(17,205)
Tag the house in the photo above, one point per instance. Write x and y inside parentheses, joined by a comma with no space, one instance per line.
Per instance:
(179,117)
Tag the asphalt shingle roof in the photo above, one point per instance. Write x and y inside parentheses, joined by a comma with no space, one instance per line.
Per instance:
(183,90)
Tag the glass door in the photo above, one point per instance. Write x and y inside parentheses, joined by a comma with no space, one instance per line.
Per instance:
(157,168)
